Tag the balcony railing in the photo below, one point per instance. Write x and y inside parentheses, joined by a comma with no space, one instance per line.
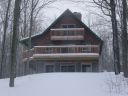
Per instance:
(67,34)
(69,50)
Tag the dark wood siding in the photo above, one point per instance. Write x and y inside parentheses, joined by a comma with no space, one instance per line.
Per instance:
(67,19)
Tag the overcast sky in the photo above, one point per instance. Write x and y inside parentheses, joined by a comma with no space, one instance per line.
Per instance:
(59,7)
(90,13)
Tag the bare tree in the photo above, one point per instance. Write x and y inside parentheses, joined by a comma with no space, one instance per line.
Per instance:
(117,7)
(108,8)
(4,37)
(124,39)
(14,42)
(34,11)
(115,37)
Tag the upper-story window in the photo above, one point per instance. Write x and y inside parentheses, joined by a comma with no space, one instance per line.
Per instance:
(68,25)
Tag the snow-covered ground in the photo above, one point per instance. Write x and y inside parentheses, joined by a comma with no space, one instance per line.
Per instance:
(66,84)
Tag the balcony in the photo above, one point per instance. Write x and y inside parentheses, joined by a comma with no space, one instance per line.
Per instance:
(67,34)
(72,52)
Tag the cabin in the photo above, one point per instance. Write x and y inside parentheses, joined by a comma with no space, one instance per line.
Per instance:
(67,45)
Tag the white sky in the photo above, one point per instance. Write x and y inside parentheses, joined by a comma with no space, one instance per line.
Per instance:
(59,7)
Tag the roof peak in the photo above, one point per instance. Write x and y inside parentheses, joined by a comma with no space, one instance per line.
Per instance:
(67,11)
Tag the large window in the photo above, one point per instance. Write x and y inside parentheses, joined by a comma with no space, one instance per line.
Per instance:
(68,68)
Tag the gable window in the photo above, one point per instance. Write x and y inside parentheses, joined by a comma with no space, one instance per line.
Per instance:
(68,25)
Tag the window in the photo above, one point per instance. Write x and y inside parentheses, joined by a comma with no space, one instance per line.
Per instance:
(86,68)
(71,26)
(67,32)
(49,68)
(64,26)
(67,68)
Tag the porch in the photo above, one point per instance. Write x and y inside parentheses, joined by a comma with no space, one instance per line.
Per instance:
(69,52)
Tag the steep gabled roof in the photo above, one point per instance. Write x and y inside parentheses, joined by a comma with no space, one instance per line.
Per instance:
(66,12)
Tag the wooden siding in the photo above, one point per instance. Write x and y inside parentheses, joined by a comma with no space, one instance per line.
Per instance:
(44,47)
(46,39)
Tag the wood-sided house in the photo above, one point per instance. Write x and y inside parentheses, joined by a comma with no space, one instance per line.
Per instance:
(67,45)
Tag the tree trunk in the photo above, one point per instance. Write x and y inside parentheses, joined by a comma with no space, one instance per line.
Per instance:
(30,33)
(4,38)
(25,18)
(14,42)
(115,37)
(124,39)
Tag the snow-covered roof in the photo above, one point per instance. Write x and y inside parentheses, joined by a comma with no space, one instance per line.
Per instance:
(31,36)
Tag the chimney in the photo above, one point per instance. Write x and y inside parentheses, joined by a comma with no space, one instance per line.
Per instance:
(78,15)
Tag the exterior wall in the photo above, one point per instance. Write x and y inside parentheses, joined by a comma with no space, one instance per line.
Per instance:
(39,66)
(66,19)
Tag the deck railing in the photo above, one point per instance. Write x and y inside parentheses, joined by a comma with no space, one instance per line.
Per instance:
(67,34)
(61,49)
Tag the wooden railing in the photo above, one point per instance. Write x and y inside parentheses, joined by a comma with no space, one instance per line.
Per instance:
(61,49)
(67,34)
